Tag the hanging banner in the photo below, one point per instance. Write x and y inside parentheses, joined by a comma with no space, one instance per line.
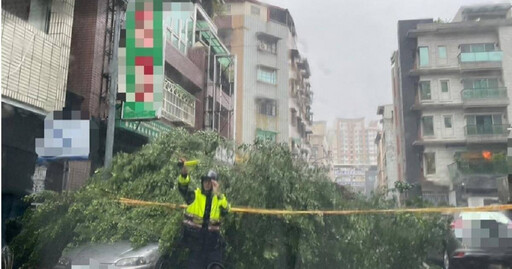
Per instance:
(141,61)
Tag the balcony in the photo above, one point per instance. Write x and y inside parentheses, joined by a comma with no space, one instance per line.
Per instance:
(485,97)
(478,174)
(480,61)
(496,133)
(179,105)
(489,56)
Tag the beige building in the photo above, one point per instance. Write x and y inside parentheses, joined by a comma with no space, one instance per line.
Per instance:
(355,142)
(321,153)
(273,93)
(453,101)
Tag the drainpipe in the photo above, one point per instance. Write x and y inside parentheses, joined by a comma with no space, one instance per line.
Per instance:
(235,102)
(214,90)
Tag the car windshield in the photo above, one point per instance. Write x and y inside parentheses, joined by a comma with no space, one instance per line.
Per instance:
(241,134)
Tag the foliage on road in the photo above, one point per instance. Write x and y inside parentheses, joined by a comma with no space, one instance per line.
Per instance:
(268,176)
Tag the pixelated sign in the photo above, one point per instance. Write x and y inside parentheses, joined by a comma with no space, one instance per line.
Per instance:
(66,135)
(141,61)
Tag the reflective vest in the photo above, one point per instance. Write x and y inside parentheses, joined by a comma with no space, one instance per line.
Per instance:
(195,211)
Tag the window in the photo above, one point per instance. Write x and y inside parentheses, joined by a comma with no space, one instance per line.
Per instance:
(481,83)
(447,121)
(485,124)
(267,107)
(484,47)
(39,16)
(425,90)
(266,135)
(267,75)
(441,52)
(444,85)
(255,10)
(423,52)
(430,163)
(428,125)
(267,45)
(179,32)
(293,117)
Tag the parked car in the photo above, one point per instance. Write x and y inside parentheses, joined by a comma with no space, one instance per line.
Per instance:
(478,240)
(117,255)
(114,255)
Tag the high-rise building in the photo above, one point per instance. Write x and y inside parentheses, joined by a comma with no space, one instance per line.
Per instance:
(273,90)
(355,142)
(355,154)
(452,102)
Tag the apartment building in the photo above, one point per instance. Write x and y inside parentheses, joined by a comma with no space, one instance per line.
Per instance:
(273,90)
(198,74)
(355,142)
(453,103)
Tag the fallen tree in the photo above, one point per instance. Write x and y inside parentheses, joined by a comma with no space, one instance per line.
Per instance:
(268,176)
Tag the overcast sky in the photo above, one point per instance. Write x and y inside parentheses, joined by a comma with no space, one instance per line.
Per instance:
(349,43)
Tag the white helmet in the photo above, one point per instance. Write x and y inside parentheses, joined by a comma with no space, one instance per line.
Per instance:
(212,175)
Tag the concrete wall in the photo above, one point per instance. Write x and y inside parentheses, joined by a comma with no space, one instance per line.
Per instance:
(505,40)
(389,147)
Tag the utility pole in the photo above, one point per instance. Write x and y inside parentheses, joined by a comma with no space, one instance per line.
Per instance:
(112,89)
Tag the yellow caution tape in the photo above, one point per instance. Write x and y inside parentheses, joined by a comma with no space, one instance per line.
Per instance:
(261,211)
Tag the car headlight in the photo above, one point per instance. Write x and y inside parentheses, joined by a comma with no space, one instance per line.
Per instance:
(64,261)
(132,261)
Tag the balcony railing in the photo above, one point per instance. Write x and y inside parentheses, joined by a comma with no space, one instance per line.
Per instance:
(179,105)
(484,93)
(489,56)
(487,130)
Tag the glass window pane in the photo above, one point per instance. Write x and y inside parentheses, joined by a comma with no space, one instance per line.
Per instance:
(441,52)
(471,120)
(174,41)
(425,90)
(428,125)
(444,85)
(489,47)
(423,56)
(477,48)
(496,119)
(479,83)
(430,163)
(465,48)
(448,121)
(492,83)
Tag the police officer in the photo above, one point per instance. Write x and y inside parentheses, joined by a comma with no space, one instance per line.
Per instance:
(206,206)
